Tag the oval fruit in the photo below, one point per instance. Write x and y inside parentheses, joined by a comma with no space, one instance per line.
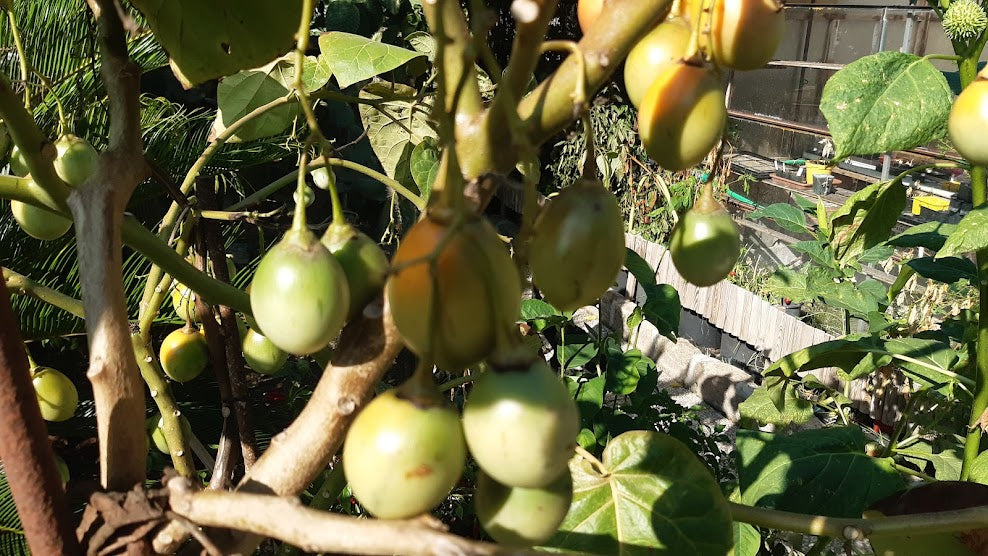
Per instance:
(577,246)
(682,116)
(184,354)
(402,460)
(968,121)
(587,12)
(18,166)
(261,354)
(363,261)
(521,425)
(660,48)
(56,394)
(184,303)
(477,285)
(519,517)
(299,294)
(156,429)
(39,223)
(705,244)
(62,469)
(75,160)
(744,34)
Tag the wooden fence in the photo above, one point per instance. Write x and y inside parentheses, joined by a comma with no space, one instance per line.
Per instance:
(768,329)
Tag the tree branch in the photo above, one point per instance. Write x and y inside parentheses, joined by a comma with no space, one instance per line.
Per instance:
(23,285)
(97,208)
(532,20)
(319,531)
(458,58)
(25,450)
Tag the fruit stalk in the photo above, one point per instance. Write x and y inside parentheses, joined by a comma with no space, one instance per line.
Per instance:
(25,286)
(25,450)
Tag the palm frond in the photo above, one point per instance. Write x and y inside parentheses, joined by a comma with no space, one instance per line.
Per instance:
(12,539)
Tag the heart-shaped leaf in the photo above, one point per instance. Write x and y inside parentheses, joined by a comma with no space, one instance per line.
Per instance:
(653,497)
(354,58)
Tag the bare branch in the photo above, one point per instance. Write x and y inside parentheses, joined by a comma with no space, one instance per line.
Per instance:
(97,208)
(23,285)
(531,22)
(25,450)
(319,531)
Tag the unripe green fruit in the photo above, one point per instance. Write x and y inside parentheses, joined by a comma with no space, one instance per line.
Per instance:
(39,223)
(705,244)
(682,116)
(261,354)
(299,294)
(18,166)
(968,122)
(363,261)
(155,427)
(520,517)
(75,160)
(310,196)
(577,247)
(660,48)
(401,460)
(184,354)
(184,303)
(521,425)
(62,469)
(56,394)
(324,177)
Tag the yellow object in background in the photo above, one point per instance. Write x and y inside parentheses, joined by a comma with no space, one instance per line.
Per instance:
(815,168)
(931,202)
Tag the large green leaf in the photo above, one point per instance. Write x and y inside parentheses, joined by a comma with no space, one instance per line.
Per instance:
(747,540)
(946,462)
(789,284)
(653,497)
(395,125)
(979,469)
(785,215)
(890,101)
(821,471)
(763,406)
(931,235)
(929,362)
(425,164)
(947,269)
(354,58)
(866,219)
(206,40)
(639,268)
(971,234)
(245,91)
(625,369)
(662,308)
(578,350)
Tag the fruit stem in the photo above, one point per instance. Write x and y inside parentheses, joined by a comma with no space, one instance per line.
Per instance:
(334,196)
(21,56)
(420,388)
(706,203)
(590,162)
(299,222)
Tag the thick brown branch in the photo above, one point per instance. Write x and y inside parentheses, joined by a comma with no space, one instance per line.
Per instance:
(97,208)
(25,450)
(319,531)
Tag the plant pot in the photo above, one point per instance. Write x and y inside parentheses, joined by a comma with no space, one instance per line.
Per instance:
(793,309)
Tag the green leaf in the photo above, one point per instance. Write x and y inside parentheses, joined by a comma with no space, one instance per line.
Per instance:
(785,215)
(905,273)
(425,164)
(763,408)
(979,469)
(655,498)
(625,369)
(241,93)
(663,309)
(578,350)
(532,309)
(876,254)
(946,462)
(947,269)
(821,471)
(930,235)
(890,101)
(635,318)
(747,540)
(866,219)
(354,58)
(639,267)
(789,284)
(395,126)
(804,204)
(589,396)
(315,73)
(816,251)
(843,295)
(929,362)
(206,40)
(970,235)
(12,538)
